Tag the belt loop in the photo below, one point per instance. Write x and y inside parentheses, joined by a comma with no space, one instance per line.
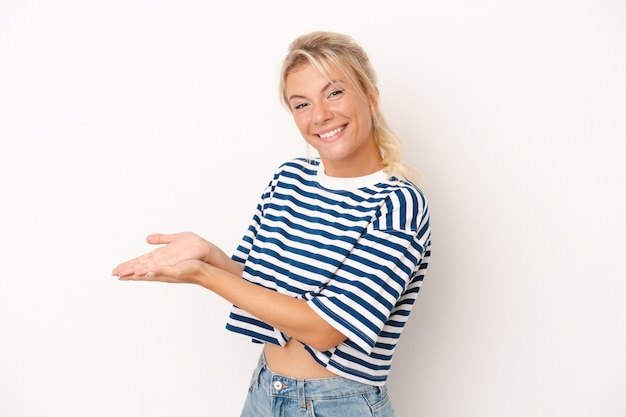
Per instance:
(257,372)
(301,395)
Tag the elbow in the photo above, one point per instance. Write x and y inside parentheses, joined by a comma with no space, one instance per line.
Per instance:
(327,340)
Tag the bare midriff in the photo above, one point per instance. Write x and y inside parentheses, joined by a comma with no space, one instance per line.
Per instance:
(294,361)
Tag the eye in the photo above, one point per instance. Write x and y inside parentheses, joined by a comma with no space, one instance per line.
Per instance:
(335,94)
(300,106)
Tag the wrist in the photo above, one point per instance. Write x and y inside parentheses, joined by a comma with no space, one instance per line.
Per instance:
(214,256)
(204,275)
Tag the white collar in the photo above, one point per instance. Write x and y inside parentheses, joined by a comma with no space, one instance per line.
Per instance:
(349,183)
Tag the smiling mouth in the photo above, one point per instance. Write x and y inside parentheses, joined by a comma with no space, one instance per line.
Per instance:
(331,133)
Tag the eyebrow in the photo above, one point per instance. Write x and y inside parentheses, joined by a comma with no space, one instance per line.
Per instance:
(330,83)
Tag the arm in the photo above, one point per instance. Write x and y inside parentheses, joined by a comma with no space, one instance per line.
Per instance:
(291,316)
(214,270)
(178,247)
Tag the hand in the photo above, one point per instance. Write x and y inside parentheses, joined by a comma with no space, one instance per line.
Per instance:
(186,272)
(178,247)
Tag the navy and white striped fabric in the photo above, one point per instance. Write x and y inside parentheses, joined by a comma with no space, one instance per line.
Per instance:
(356,249)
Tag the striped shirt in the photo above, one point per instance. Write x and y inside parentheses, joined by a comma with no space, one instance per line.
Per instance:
(356,249)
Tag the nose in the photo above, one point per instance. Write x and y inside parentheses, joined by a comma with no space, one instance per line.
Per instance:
(322,113)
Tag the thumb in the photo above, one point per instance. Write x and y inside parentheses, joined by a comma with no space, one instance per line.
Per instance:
(159,239)
(166,274)
(159,273)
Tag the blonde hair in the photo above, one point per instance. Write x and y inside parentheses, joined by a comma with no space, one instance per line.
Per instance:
(324,50)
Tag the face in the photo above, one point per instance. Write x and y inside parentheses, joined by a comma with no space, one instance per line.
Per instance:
(335,119)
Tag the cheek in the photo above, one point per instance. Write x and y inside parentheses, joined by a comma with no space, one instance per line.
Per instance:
(302,124)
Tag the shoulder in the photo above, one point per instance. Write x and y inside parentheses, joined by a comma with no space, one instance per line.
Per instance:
(296,171)
(402,191)
(305,165)
(404,207)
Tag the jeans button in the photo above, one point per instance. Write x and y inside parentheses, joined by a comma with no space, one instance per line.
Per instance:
(278,385)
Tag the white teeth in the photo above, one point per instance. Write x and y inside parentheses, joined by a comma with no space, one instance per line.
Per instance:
(331,133)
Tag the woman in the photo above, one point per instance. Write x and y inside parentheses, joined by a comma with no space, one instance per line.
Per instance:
(329,268)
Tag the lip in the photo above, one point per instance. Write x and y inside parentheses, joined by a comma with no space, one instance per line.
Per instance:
(339,131)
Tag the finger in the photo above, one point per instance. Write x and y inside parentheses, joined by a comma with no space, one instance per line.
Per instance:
(123,269)
(129,266)
(124,272)
(138,265)
(161,274)
(137,275)
(160,238)
(153,275)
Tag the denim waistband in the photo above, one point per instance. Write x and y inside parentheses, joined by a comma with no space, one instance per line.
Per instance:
(307,389)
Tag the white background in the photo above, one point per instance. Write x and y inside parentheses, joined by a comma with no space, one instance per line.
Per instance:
(122,118)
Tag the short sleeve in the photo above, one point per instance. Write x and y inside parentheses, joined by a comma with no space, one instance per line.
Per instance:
(361,296)
(243,249)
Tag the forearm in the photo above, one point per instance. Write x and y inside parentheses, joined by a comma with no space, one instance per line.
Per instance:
(214,270)
(291,316)
(225,263)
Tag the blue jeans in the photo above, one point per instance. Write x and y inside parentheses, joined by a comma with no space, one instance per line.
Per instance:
(273,395)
